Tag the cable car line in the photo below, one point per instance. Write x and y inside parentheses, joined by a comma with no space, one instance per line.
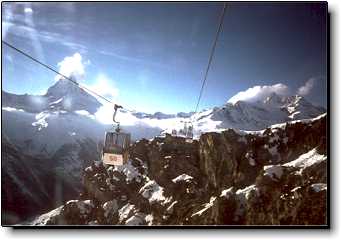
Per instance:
(114,153)
(211,55)
(53,70)
(116,143)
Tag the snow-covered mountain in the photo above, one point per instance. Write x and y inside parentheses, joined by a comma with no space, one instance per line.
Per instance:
(67,113)
(71,111)
(258,115)
(62,96)
(60,126)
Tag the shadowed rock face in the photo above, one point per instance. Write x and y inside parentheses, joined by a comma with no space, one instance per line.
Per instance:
(273,177)
(35,184)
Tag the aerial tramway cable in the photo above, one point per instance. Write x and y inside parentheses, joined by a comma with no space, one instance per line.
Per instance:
(211,55)
(189,133)
(116,143)
(106,99)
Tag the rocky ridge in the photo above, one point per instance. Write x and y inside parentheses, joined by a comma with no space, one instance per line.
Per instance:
(277,176)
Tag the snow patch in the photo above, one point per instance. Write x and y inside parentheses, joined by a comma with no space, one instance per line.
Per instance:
(206,207)
(295,189)
(273,171)
(56,102)
(125,210)
(182,177)
(110,207)
(149,219)
(249,157)
(129,171)
(245,192)
(153,192)
(306,160)
(43,219)
(135,220)
(11,109)
(41,120)
(225,193)
(170,208)
(274,138)
(317,187)
(83,206)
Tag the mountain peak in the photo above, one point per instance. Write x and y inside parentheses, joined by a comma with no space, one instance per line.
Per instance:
(67,95)
(273,98)
(62,88)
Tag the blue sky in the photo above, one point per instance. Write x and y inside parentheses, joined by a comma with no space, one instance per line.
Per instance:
(152,56)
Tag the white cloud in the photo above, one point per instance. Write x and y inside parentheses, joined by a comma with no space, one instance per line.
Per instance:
(306,88)
(28,10)
(72,66)
(105,114)
(257,93)
(104,86)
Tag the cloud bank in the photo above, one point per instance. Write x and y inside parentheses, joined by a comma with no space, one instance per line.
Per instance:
(104,86)
(72,67)
(306,88)
(259,93)
(28,10)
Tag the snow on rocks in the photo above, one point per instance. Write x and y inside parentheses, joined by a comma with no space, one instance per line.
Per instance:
(83,206)
(125,211)
(246,192)
(243,195)
(57,101)
(249,157)
(226,193)
(129,171)
(153,192)
(149,219)
(137,219)
(41,120)
(274,138)
(182,177)
(273,171)
(296,189)
(317,187)
(110,208)
(93,223)
(11,109)
(309,120)
(206,207)
(306,160)
(43,219)
(171,207)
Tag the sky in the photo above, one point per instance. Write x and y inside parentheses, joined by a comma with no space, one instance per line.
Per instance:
(152,56)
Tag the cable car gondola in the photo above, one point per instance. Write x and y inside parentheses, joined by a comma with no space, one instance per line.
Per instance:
(189,132)
(116,145)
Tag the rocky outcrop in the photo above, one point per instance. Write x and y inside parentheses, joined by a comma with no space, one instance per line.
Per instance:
(276,176)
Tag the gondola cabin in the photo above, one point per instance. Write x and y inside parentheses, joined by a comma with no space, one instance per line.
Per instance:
(116,148)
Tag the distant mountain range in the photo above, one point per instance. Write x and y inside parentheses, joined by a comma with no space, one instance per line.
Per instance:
(54,131)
